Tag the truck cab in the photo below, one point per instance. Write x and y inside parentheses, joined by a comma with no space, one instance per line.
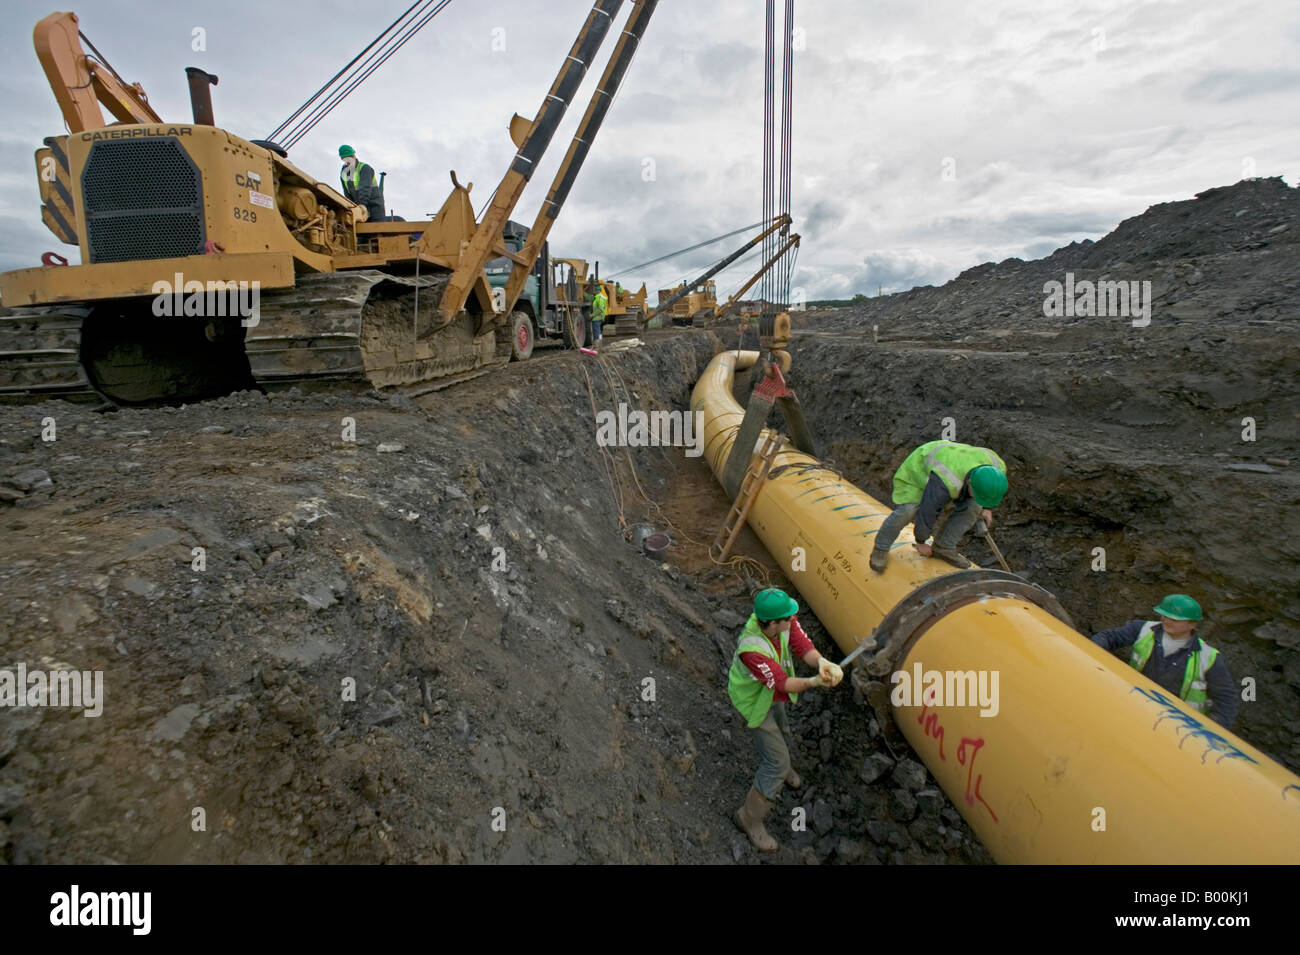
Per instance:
(549,297)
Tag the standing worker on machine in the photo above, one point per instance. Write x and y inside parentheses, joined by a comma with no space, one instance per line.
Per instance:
(760,683)
(1170,654)
(599,308)
(360,184)
(936,474)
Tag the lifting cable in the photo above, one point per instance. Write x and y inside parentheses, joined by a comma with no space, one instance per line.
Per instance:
(689,248)
(775,286)
(787,96)
(769,95)
(357,78)
(738,564)
(306,116)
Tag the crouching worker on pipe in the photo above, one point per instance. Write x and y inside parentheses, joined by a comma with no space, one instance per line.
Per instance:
(937,474)
(760,683)
(1170,654)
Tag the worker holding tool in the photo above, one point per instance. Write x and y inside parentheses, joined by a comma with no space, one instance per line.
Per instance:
(1170,654)
(760,683)
(599,307)
(939,473)
(360,184)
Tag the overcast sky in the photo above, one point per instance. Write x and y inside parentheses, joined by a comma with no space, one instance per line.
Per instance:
(1056,120)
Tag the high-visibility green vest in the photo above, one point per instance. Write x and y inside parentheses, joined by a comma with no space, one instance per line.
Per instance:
(356,178)
(948,459)
(1194,687)
(750,695)
(599,305)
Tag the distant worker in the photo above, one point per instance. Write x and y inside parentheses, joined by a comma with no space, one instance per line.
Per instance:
(1170,654)
(361,185)
(599,308)
(936,474)
(760,683)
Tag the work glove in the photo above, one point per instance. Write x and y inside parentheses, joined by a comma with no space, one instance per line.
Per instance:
(830,673)
(816,681)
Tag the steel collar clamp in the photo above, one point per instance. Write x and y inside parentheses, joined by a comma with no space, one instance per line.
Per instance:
(903,626)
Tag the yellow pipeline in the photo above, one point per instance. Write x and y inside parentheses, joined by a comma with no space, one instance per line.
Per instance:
(1085,760)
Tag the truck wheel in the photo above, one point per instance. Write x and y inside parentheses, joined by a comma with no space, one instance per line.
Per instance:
(522,336)
(575,328)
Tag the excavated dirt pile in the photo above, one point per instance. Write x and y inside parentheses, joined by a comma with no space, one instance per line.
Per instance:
(350,628)
(463,566)
(1173,445)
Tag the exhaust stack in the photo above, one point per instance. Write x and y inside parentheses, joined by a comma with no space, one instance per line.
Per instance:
(201,83)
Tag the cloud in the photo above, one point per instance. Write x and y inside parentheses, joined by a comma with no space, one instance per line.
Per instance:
(1054,136)
(1226,85)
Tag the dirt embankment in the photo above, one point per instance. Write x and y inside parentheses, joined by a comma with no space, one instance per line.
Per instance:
(1175,446)
(395,645)
(504,687)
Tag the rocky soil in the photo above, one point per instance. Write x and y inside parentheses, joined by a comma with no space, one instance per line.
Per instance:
(431,640)
(493,688)
(1174,446)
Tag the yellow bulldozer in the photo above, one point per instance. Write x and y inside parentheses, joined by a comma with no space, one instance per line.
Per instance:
(211,263)
(688,303)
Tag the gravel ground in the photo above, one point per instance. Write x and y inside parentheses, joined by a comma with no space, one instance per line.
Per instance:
(432,643)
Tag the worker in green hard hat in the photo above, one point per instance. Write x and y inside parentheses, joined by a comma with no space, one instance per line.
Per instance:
(939,473)
(361,185)
(1170,654)
(599,308)
(761,681)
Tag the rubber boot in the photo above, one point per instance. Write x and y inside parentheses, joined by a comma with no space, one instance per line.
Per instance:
(879,560)
(793,780)
(950,555)
(749,818)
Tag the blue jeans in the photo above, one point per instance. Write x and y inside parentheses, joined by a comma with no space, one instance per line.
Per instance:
(773,753)
(960,521)
(596,324)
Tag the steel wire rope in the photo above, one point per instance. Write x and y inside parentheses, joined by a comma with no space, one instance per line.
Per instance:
(296,113)
(736,563)
(325,108)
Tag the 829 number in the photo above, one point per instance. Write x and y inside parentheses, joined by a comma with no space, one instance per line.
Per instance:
(245,215)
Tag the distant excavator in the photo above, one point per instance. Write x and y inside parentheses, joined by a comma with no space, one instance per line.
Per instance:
(210,263)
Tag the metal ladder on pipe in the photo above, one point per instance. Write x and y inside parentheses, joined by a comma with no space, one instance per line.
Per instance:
(720,549)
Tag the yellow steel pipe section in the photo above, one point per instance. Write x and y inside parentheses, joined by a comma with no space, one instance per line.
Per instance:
(1080,759)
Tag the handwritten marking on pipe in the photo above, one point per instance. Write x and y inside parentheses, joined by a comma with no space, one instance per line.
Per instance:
(1188,727)
(826,572)
(932,726)
(934,729)
(976,745)
(1292,786)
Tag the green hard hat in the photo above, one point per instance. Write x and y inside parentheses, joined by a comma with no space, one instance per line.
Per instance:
(1178,607)
(773,604)
(988,485)
(345,151)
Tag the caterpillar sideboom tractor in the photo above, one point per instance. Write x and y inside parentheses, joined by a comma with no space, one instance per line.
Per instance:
(211,263)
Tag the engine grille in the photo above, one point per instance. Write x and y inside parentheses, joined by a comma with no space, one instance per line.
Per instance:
(143,199)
